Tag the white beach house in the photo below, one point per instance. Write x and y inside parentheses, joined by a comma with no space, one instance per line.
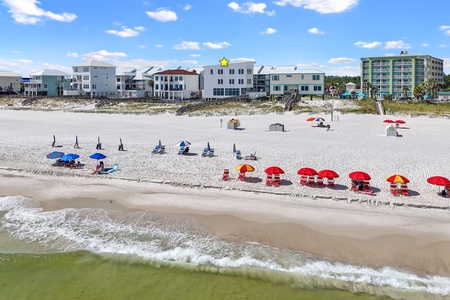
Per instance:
(176,84)
(9,81)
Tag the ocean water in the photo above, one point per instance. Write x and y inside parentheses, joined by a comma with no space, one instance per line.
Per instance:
(105,254)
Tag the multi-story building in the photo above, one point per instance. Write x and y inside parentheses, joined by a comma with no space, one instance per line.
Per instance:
(142,82)
(261,78)
(176,84)
(399,75)
(47,82)
(228,79)
(9,82)
(93,78)
(287,79)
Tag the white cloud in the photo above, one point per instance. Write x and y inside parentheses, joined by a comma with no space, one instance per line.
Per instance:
(343,71)
(140,63)
(242,59)
(103,55)
(368,45)
(162,15)
(187,7)
(72,54)
(445,29)
(66,69)
(28,12)
(397,45)
(321,6)
(142,47)
(269,31)
(126,32)
(251,8)
(216,45)
(194,55)
(442,46)
(159,46)
(189,62)
(187,46)
(311,66)
(425,45)
(315,31)
(341,60)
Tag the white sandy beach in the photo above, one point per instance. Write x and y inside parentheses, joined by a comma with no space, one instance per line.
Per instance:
(411,233)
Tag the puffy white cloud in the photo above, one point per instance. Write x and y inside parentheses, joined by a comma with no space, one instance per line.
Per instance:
(343,71)
(341,60)
(159,46)
(194,55)
(368,45)
(251,8)
(220,45)
(126,32)
(187,7)
(397,45)
(28,12)
(445,29)
(321,6)
(103,55)
(72,54)
(269,31)
(187,46)
(315,31)
(162,15)
(425,45)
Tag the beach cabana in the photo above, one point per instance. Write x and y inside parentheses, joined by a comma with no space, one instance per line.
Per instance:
(307,175)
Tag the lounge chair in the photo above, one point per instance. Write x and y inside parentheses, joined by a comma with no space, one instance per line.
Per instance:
(319,181)
(394,190)
(404,190)
(238,154)
(303,180)
(162,149)
(181,151)
(276,180)
(96,170)
(110,170)
(366,187)
(330,182)
(156,150)
(241,176)
(211,152)
(269,180)
(311,180)
(226,174)
(205,152)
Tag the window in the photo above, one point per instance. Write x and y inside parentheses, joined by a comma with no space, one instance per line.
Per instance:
(241,81)
(118,87)
(94,86)
(219,81)
(304,88)
(212,72)
(316,77)
(231,92)
(156,78)
(180,78)
(218,92)
(249,81)
(231,81)
(277,88)
(231,71)
(241,71)
(317,88)
(86,78)
(249,71)
(303,77)
(85,69)
(176,78)
(86,86)
(75,70)
(45,86)
(275,77)
(289,75)
(220,71)
(118,79)
(156,86)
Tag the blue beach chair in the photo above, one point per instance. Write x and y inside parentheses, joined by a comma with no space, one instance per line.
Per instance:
(238,154)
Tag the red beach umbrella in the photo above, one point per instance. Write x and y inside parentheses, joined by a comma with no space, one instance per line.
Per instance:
(311,119)
(307,171)
(329,174)
(274,170)
(359,175)
(438,180)
(388,121)
(399,122)
(395,178)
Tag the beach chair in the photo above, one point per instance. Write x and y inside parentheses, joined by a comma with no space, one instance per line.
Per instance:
(394,190)
(319,181)
(181,151)
(276,180)
(311,180)
(241,176)
(211,152)
(238,154)
(330,182)
(303,180)
(226,174)
(404,190)
(205,152)
(269,180)
(162,149)
(155,150)
(366,187)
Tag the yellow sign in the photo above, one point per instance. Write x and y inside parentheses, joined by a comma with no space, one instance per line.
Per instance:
(224,62)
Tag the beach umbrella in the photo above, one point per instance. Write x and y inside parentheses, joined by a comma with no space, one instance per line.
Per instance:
(311,119)
(388,121)
(208,146)
(69,157)
(330,174)
(439,180)
(183,143)
(245,168)
(399,122)
(234,148)
(307,171)
(274,170)
(359,175)
(395,178)
(55,155)
(159,144)
(319,119)
(97,156)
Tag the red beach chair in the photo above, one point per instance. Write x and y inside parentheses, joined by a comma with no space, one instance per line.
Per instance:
(366,187)
(319,181)
(226,174)
(404,190)
(311,180)
(394,190)
(269,180)
(241,176)
(276,180)
(303,180)
(330,182)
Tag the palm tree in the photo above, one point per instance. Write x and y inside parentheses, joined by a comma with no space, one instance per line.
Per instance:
(420,91)
(432,86)
(374,91)
(151,83)
(405,91)
(367,86)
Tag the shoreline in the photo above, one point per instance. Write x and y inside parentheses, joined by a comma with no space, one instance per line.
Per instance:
(414,240)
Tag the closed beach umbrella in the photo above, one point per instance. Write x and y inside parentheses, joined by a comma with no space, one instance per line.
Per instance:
(395,178)
(329,174)
(307,172)
(69,157)
(274,170)
(439,180)
(388,121)
(311,119)
(359,175)
(245,168)
(55,155)
(183,143)
(97,156)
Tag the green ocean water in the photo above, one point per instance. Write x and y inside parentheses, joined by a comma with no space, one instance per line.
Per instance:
(84,275)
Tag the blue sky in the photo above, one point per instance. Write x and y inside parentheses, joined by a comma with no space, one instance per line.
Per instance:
(327,35)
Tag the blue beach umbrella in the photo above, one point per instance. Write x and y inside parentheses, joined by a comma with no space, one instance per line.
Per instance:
(183,144)
(320,120)
(97,156)
(55,155)
(69,157)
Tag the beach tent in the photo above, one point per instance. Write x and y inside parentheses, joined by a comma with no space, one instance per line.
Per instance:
(361,95)
(346,95)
